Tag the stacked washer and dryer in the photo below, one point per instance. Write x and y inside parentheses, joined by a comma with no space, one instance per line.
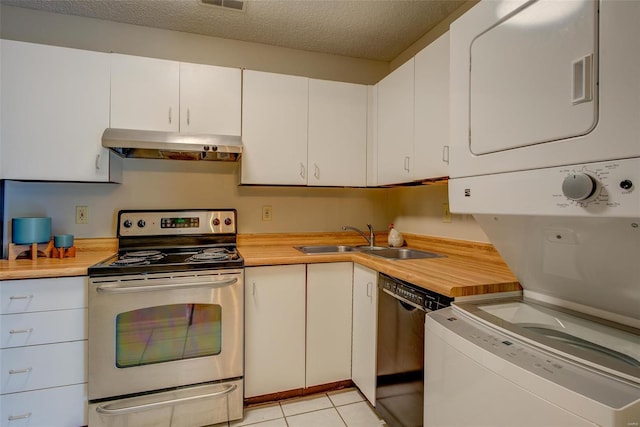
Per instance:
(545,126)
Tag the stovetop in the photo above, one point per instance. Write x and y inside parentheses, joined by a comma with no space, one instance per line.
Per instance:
(173,240)
(168,259)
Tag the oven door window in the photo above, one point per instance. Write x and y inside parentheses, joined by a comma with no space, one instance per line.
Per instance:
(169,332)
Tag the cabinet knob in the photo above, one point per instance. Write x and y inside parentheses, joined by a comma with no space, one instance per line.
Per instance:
(169,115)
(303,172)
(316,171)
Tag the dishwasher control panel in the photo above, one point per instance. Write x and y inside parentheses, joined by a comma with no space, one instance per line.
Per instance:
(422,298)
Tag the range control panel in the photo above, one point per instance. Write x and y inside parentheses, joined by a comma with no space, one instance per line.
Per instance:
(176,222)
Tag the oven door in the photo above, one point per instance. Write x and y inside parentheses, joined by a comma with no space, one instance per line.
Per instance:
(163,330)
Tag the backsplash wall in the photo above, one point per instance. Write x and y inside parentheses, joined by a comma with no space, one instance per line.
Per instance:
(162,184)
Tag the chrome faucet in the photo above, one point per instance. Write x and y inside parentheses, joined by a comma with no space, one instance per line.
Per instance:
(371,240)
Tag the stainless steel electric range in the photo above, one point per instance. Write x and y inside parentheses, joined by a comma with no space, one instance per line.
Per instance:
(166,321)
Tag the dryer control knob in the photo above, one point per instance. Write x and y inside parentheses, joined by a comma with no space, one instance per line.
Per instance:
(579,186)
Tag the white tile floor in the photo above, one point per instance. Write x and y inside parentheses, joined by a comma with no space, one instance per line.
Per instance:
(333,409)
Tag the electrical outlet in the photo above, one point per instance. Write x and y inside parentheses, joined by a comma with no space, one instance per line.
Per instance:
(446,214)
(82,214)
(267,213)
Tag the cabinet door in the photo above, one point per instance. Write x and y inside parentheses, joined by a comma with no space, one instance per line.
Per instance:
(32,295)
(337,134)
(274,128)
(395,125)
(58,406)
(329,302)
(42,366)
(210,99)
(274,339)
(365,319)
(145,93)
(431,121)
(43,327)
(55,107)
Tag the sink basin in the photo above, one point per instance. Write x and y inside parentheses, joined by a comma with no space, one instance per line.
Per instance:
(401,253)
(325,249)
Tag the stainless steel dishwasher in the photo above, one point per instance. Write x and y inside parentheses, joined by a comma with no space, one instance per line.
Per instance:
(400,353)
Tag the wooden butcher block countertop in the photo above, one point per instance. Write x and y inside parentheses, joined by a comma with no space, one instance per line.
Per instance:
(88,252)
(468,268)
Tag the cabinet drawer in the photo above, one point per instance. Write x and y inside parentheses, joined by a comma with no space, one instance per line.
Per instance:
(59,406)
(42,366)
(46,327)
(23,296)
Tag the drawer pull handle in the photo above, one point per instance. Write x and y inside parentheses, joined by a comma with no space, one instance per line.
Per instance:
(19,371)
(21,331)
(19,417)
(20,297)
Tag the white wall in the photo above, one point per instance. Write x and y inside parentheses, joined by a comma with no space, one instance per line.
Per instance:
(419,210)
(163,184)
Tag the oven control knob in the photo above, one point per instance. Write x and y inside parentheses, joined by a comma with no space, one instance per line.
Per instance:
(227,221)
(216,222)
(141,223)
(127,223)
(579,186)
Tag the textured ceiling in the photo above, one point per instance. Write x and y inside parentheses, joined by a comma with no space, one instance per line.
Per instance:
(371,29)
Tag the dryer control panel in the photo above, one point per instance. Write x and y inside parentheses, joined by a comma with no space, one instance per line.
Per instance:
(594,189)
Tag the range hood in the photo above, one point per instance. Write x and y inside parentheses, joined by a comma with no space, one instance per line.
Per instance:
(146,144)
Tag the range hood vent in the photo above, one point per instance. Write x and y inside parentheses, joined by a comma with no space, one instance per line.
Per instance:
(145,144)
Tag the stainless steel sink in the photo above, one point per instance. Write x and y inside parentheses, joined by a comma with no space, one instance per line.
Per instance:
(401,253)
(325,249)
(371,248)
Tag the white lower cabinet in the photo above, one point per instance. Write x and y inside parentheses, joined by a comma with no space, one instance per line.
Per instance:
(43,351)
(328,323)
(297,326)
(365,318)
(274,338)
(59,406)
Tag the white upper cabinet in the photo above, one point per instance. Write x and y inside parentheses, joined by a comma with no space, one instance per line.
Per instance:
(300,131)
(145,93)
(161,95)
(210,99)
(431,117)
(337,134)
(55,106)
(395,125)
(413,118)
(274,128)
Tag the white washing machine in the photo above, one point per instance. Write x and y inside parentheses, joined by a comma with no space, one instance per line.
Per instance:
(517,362)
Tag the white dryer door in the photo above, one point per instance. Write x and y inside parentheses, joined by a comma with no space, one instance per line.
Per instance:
(533,75)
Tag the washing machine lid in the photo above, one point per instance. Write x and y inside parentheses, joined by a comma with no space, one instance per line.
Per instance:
(604,345)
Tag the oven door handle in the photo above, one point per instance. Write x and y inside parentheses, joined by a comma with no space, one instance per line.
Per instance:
(120,289)
(106,410)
